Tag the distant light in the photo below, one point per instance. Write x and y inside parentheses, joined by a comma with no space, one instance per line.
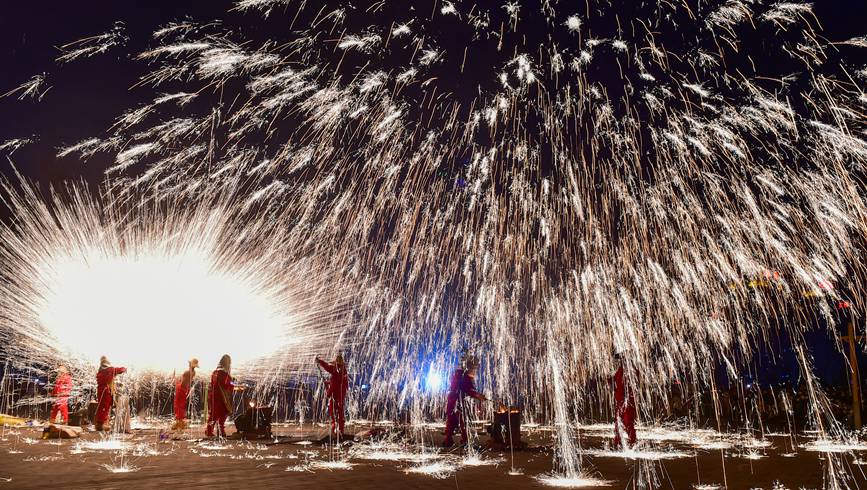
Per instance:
(434,381)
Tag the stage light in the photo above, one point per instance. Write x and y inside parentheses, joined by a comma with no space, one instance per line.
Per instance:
(434,380)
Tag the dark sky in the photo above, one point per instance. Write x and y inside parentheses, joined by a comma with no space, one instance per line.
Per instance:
(87,95)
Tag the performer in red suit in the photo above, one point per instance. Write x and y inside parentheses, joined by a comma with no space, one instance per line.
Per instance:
(220,397)
(61,391)
(462,385)
(624,401)
(336,391)
(105,392)
(182,393)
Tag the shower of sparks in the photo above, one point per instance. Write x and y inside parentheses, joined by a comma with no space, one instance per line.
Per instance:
(10,146)
(549,186)
(148,286)
(35,89)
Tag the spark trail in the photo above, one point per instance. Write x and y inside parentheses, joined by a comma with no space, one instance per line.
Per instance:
(626,176)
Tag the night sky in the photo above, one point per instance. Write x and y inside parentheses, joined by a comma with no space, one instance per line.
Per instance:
(87,95)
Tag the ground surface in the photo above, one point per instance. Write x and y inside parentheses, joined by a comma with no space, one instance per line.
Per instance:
(692,458)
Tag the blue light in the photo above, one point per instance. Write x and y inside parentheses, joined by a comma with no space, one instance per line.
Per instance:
(434,381)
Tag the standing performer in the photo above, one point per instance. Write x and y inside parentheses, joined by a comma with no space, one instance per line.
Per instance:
(462,385)
(61,391)
(336,391)
(624,401)
(105,392)
(220,397)
(182,394)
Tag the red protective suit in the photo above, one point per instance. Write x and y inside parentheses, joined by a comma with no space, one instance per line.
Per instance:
(105,392)
(61,391)
(219,401)
(461,385)
(624,401)
(336,392)
(182,393)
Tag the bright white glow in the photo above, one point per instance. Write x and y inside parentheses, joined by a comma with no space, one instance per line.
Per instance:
(638,454)
(153,311)
(434,380)
(332,465)
(109,444)
(572,482)
(437,469)
(391,452)
(120,468)
(827,446)
(752,455)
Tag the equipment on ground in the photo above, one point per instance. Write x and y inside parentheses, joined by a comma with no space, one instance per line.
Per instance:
(58,431)
(505,431)
(255,423)
(12,421)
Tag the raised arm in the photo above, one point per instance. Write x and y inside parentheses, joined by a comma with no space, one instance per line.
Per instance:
(326,366)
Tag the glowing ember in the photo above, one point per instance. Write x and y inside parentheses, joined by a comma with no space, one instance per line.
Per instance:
(332,465)
(111,444)
(476,460)
(829,446)
(634,453)
(712,445)
(752,455)
(392,453)
(120,468)
(572,482)
(438,469)
(213,447)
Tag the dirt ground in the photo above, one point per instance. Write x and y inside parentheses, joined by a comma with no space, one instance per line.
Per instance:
(668,459)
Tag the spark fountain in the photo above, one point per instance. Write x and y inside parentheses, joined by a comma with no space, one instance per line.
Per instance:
(546,185)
